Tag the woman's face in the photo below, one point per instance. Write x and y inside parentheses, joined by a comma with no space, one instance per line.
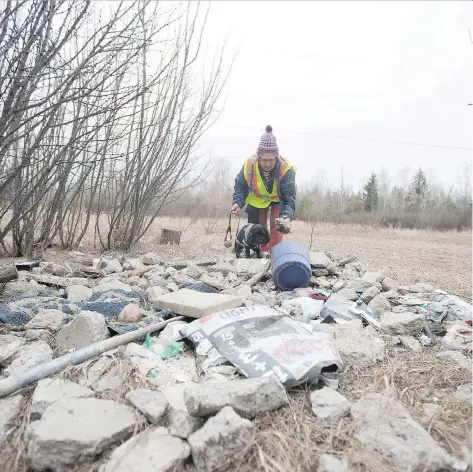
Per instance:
(267,161)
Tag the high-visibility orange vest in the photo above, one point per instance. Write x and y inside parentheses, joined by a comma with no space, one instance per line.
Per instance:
(258,195)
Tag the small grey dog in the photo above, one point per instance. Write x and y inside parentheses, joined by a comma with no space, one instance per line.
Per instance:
(251,236)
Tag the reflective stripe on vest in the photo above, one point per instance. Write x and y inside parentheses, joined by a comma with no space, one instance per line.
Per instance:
(258,194)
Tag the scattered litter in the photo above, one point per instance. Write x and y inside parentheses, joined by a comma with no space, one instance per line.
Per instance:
(458,338)
(259,341)
(172,350)
(363,311)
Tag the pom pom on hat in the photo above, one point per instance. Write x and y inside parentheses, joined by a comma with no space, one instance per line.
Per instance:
(268,143)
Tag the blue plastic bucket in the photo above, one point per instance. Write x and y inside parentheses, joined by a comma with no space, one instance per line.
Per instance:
(291,265)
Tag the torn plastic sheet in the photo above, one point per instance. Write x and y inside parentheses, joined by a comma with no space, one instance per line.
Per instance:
(259,341)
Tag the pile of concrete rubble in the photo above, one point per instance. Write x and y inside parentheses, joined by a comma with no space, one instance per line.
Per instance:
(190,410)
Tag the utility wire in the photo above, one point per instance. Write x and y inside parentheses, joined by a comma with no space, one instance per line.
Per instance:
(338,136)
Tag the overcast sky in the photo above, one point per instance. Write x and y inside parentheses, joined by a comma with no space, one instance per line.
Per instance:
(322,73)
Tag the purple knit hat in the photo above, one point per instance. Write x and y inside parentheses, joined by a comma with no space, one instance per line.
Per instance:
(268,143)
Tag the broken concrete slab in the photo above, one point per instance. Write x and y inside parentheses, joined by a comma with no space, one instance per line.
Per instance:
(86,328)
(361,285)
(55,281)
(319,260)
(29,356)
(400,324)
(153,405)
(347,260)
(37,335)
(112,285)
(359,346)
(410,343)
(150,258)
(113,267)
(420,288)
(47,319)
(218,442)
(328,404)
(49,391)
(385,427)
(153,450)
(331,463)
(457,357)
(9,345)
(181,423)
(379,304)
(9,410)
(338,306)
(248,397)
(153,293)
(249,266)
(87,427)
(389,284)
(78,293)
(96,371)
(114,378)
(196,304)
(369,294)
(373,277)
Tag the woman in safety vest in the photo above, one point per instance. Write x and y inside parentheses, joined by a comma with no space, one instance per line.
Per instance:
(267,181)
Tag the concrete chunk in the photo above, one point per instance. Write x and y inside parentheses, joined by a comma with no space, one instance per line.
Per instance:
(373,277)
(9,410)
(361,285)
(406,323)
(371,293)
(75,430)
(319,260)
(249,266)
(338,306)
(29,356)
(328,404)
(182,424)
(49,391)
(218,442)
(330,463)
(379,304)
(153,450)
(78,293)
(152,404)
(9,346)
(385,427)
(86,328)
(248,397)
(389,284)
(457,357)
(47,319)
(196,304)
(410,343)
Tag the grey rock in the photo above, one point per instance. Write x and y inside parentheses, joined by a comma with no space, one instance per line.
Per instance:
(349,273)
(182,279)
(172,287)
(169,272)
(153,293)
(249,266)
(9,410)
(319,260)
(213,282)
(224,267)
(371,293)
(420,288)
(379,304)
(86,328)
(386,428)
(320,272)
(114,378)
(153,450)
(243,291)
(457,357)
(411,343)
(29,356)
(406,323)
(150,258)
(330,463)
(72,431)
(347,260)
(9,345)
(61,282)
(389,284)
(337,306)
(374,277)
(96,371)
(360,346)
(47,319)
(78,293)
(218,442)
(49,391)
(328,404)
(361,285)
(21,288)
(392,295)
(113,267)
(155,272)
(248,397)
(464,393)
(112,285)
(152,404)
(337,286)
(181,423)
(37,335)
(158,281)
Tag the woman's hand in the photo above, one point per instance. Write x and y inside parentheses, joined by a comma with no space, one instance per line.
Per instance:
(235,209)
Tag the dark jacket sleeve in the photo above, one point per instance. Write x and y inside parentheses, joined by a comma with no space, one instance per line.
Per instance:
(288,195)
(241,190)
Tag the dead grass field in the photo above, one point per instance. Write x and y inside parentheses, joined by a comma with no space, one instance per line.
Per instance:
(409,256)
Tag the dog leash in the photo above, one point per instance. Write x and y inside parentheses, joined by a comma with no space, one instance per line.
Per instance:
(228,233)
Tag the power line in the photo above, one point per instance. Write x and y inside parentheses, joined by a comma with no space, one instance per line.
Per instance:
(358,138)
